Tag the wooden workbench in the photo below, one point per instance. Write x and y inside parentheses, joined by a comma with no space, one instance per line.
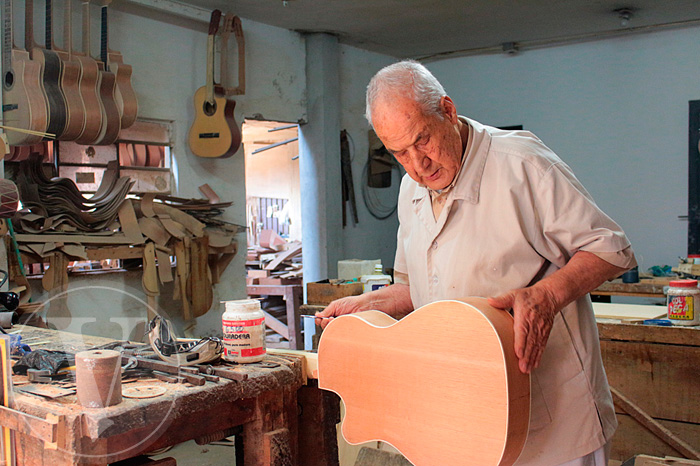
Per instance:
(264,409)
(645,288)
(657,368)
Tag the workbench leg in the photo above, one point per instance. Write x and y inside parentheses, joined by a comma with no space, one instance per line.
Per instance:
(271,439)
(318,437)
(294,295)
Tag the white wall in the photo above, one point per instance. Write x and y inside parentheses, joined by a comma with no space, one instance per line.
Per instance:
(615,110)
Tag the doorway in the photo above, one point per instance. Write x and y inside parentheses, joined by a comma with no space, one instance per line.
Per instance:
(273,197)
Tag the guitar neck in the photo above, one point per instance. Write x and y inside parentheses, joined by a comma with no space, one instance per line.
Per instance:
(210,68)
(8,76)
(103,38)
(67,31)
(86,28)
(29,25)
(48,38)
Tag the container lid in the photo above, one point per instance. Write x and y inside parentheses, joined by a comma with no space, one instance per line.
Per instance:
(242,305)
(684,283)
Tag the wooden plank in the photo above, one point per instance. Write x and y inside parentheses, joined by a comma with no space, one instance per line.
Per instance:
(645,287)
(654,426)
(662,379)
(83,239)
(283,256)
(676,335)
(628,311)
(276,325)
(631,438)
(30,425)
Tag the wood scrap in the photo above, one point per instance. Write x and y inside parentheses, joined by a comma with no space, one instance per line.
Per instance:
(294,250)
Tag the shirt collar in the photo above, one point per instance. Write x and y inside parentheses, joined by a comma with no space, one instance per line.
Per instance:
(467,182)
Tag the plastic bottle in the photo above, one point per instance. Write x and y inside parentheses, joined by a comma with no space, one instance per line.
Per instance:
(244,331)
(375,281)
(683,298)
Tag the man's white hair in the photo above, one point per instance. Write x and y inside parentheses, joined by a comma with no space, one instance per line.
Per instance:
(406,78)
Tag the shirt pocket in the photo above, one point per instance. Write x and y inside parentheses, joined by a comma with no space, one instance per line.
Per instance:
(540,415)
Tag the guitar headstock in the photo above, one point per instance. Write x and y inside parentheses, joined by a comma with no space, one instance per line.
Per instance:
(214,22)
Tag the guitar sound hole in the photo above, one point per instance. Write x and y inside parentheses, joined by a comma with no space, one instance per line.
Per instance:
(209,108)
(9,79)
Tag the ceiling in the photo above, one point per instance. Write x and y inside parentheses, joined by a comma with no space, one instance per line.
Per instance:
(430,28)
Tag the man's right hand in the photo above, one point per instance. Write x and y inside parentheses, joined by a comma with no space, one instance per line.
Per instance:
(339,307)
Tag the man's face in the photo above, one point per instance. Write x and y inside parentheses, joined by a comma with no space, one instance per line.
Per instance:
(430,149)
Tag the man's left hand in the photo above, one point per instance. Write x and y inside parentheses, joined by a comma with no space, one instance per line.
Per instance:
(533,310)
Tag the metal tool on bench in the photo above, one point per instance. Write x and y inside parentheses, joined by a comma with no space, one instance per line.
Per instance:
(181,351)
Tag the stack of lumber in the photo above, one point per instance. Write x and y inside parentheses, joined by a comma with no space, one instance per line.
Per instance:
(274,261)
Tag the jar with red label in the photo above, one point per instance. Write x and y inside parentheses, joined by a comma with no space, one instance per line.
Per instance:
(682,300)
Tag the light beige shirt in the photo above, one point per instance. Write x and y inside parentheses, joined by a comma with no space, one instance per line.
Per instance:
(515,215)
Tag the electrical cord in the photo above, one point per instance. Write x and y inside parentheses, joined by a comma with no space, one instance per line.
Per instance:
(374,205)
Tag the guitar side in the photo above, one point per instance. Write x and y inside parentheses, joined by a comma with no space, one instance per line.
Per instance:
(441,385)
(210,134)
(110,117)
(89,88)
(23,103)
(125,95)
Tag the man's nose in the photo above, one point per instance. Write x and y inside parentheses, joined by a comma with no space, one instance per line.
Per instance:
(419,159)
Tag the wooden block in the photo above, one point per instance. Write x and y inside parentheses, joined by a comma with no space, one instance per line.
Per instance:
(252,281)
(270,239)
(279,281)
(323,293)
(257,273)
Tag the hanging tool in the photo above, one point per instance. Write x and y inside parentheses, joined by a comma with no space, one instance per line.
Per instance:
(346,172)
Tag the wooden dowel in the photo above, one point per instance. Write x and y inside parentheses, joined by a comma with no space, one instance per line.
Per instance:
(28,131)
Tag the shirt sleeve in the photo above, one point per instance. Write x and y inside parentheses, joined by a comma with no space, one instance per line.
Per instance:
(571,221)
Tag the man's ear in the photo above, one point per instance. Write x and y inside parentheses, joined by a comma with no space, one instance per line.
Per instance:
(449,108)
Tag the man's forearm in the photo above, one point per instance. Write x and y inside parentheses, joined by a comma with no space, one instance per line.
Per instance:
(582,274)
(394,300)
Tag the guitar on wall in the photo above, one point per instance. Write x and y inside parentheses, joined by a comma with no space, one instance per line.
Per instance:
(125,95)
(51,68)
(108,89)
(442,385)
(89,80)
(24,103)
(70,76)
(212,132)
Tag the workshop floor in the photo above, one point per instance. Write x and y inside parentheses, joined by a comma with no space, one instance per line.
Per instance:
(191,454)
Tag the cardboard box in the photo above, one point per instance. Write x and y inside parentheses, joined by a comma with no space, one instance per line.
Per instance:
(355,268)
(323,292)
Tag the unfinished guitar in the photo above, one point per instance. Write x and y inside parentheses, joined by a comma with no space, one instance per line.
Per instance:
(441,385)
(214,132)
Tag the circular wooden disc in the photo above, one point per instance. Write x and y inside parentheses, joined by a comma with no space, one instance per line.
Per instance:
(143,391)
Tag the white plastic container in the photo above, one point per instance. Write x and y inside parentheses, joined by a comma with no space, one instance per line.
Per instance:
(375,281)
(682,300)
(244,331)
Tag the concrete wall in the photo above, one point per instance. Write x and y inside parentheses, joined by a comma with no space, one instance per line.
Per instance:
(615,110)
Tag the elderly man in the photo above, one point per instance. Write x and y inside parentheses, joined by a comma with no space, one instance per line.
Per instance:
(486,212)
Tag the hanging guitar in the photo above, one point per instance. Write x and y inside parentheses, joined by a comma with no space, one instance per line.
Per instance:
(89,81)
(214,132)
(125,95)
(70,76)
(51,68)
(24,103)
(111,123)
(441,385)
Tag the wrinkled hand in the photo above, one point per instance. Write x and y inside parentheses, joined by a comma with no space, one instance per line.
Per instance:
(533,310)
(337,308)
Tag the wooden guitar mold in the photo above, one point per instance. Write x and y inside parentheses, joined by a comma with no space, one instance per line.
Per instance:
(441,385)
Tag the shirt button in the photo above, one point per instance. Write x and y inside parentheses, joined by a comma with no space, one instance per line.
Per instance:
(435,279)
(435,245)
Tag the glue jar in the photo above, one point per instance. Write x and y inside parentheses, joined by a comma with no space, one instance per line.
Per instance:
(682,299)
(244,331)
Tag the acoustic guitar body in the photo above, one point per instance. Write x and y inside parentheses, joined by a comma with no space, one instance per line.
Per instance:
(89,92)
(110,117)
(214,132)
(441,385)
(24,102)
(75,109)
(125,96)
(51,80)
